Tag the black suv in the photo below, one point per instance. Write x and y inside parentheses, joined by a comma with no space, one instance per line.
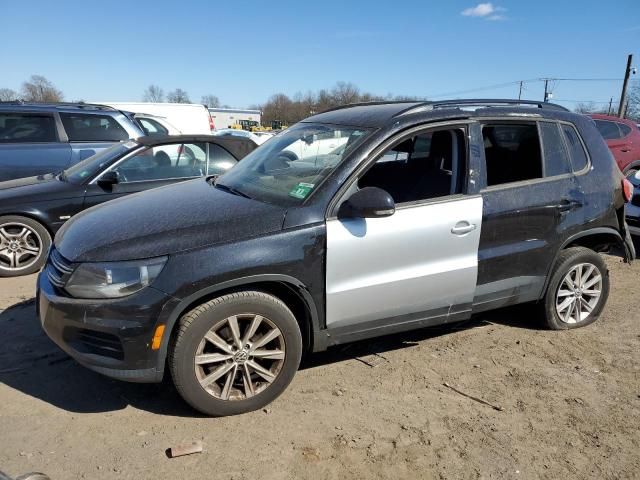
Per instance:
(354,223)
(39,138)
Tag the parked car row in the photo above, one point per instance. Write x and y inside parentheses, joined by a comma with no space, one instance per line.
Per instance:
(354,223)
(32,209)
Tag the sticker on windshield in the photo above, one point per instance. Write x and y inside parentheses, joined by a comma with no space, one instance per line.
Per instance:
(301,190)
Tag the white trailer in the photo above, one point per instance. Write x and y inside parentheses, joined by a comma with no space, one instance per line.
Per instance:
(189,118)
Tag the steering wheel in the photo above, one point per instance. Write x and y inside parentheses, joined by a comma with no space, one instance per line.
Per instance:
(121,176)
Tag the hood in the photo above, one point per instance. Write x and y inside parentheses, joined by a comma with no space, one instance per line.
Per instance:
(35,189)
(164,220)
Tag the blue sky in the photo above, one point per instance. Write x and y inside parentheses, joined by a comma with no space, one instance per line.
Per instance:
(245,51)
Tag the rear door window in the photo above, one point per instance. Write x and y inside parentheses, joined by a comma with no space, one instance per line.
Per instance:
(556,161)
(84,127)
(576,149)
(608,130)
(27,128)
(512,152)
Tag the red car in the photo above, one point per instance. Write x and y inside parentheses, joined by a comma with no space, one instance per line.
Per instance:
(623,139)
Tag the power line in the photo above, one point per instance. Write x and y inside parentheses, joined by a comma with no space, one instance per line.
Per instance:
(579,101)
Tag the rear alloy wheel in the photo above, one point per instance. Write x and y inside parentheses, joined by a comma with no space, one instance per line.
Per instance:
(235,353)
(23,246)
(578,289)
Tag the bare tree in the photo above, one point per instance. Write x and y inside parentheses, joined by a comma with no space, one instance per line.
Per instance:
(345,92)
(7,95)
(178,96)
(633,103)
(39,89)
(153,93)
(210,101)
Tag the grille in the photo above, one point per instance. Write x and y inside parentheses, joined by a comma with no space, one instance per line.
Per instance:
(58,269)
(92,341)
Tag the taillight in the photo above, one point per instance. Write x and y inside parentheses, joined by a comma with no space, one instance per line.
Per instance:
(212,126)
(627,190)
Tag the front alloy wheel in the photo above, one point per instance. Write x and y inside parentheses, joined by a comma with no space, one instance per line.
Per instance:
(240,357)
(23,246)
(235,353)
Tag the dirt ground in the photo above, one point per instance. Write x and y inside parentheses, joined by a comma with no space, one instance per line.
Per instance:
(379,409)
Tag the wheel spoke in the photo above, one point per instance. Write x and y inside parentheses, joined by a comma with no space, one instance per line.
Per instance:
(30,249)
(4,235)
(251,331)
(591,293)
(578,275)
(235,330)
(218,342)
(207,358)
(248,383)
(216,374)
(564,293)
(266,338)
(229,382)
(24,234)
(260,370)
(586,275)
(269,354)
(586,305)
(592,281)
(567,315)
(577,313)
(567,302)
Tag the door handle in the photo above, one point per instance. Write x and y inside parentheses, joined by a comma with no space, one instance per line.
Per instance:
(568,205)
(463,227)
(625,150)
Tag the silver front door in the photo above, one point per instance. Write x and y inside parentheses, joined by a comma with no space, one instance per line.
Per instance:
(423,259)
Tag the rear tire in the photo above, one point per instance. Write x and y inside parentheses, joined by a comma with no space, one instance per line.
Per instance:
(24,244)
(578,289)
(235,353)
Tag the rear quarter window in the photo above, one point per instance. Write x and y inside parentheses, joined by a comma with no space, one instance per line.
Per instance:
(576,149)
(27,128)
(82,127)
(608,130)
(556,161)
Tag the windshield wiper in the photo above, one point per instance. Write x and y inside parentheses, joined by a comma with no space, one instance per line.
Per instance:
(232,190)
(62,176)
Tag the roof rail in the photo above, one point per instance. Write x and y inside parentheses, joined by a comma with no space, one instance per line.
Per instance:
(79,105)
(432,105)
(495,103)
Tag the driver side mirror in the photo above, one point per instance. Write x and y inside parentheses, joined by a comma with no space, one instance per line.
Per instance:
(369,202)
(109,179)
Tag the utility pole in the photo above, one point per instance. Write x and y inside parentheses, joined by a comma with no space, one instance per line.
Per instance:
(520,92)
(546,90)
(610,105)
(623,96)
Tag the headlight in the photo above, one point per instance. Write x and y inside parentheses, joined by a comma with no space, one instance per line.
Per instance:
(113,280)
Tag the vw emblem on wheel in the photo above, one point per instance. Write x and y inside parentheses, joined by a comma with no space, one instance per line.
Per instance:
(241,356)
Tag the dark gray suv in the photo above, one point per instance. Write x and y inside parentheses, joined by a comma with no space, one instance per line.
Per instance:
(354,223)
(46,138)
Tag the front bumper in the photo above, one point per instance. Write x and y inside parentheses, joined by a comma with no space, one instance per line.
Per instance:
(111,337)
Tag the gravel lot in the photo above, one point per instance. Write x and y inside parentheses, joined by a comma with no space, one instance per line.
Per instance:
(570,406)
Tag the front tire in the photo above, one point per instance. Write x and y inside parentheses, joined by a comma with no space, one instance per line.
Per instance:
(235,353)
(24,244)
(578,289)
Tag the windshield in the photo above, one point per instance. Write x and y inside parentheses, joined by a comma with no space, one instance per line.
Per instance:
(286,170)
(85,169)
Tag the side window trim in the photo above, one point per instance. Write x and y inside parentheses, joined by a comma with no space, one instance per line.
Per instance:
(379,151)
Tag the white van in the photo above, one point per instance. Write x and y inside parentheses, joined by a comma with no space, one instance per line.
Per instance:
(189,118)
